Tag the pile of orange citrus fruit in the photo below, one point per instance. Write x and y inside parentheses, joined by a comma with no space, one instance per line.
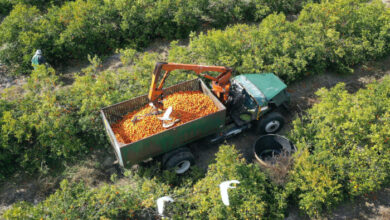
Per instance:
(187,106)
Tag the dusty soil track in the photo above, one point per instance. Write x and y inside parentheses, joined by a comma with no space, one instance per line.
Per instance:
(35,188)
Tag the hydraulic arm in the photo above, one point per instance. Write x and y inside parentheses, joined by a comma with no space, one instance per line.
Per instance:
(220,84)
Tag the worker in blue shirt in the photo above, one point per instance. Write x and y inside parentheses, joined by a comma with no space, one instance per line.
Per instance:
(38,59)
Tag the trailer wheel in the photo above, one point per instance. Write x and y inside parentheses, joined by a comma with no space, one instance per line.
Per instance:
(169,154)
(180,162)
(271,124)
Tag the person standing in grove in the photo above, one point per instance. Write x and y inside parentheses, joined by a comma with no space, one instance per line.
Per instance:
(37,59)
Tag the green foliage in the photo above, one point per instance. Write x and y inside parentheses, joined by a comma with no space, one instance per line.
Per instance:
(67,31)
(287,6)
(6,156)
(313,185)
(19,35)
(71,31)
(219,13)
(5,7)
(143,21)
(40,129)
(79,28)
(346,33)
(351,31)
(77,201)
(41,4)
(275,46)
(254,198)
(348,137)
(127,55)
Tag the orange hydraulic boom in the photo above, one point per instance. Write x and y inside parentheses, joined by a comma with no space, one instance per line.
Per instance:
(220,84)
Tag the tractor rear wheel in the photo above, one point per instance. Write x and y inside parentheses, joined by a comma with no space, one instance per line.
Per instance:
(271,124)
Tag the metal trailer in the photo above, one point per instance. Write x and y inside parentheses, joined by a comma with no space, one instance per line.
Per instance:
(172,138)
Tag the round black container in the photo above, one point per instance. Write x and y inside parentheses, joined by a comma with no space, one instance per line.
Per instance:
(271,145)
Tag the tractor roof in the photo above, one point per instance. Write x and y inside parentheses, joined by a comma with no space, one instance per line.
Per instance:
(263,87)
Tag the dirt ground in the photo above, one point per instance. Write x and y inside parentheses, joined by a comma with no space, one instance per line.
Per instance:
(97,168)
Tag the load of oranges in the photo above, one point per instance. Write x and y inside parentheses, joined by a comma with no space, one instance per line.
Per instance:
(187,106)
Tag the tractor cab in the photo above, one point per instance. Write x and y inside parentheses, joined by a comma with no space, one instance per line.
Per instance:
(257,94)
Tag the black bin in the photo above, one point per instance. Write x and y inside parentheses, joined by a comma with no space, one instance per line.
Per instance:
(271,145)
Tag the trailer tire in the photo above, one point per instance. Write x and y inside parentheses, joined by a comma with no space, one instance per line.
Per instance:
(271,124)
(180,162)
(119,170)
(169,154)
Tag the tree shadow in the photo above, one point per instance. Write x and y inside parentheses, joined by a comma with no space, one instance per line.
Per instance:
(374,205)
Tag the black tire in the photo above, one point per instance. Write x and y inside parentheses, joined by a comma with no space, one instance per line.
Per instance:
(119,169)
(180,162)
(271,124)
(169,154)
